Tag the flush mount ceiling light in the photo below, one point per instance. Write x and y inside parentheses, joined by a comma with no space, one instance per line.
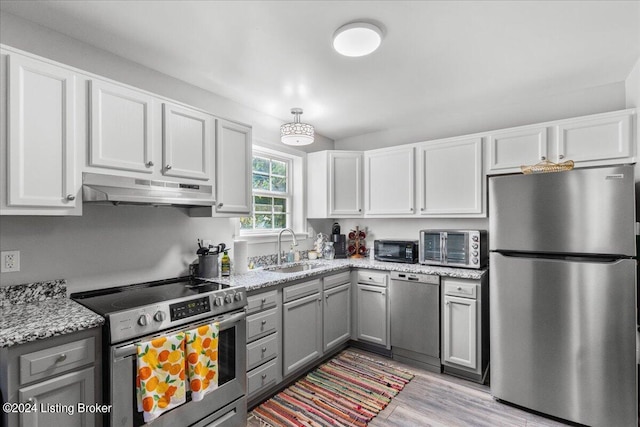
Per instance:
(357,39)
(296,133)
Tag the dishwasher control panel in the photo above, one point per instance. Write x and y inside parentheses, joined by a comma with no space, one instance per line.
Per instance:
(416,277)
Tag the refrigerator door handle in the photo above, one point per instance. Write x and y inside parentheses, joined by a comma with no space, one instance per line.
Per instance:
(600,259)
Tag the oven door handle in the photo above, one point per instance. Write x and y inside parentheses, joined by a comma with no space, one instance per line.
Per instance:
(130,349)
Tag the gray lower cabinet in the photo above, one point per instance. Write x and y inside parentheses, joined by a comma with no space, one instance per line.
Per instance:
(465,317)
(373,324)
(56,381)
(336,310)
(302,325)
(263,342)
(57,401)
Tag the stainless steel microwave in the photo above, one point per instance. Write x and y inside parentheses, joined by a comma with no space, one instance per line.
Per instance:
(396,251)
(454,248)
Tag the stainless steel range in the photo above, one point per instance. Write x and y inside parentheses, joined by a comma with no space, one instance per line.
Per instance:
(143,311)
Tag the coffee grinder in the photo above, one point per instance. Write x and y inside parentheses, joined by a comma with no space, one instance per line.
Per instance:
(339,241)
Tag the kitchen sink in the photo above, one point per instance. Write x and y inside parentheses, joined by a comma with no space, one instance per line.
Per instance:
(294,268)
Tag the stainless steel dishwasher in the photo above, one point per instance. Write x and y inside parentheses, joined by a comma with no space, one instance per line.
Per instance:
(415,319)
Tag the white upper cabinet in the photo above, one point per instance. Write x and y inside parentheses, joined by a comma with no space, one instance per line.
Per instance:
(345,189)
(451,178)
(599,139)
(334,184)
(510,149)
(122,128)
(187,140)
(233,168)
(389,183)
(39,153)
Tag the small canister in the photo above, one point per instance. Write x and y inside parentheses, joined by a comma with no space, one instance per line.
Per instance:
(208,265)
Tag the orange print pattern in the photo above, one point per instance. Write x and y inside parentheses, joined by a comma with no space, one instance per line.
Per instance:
(202,360)
(161,377)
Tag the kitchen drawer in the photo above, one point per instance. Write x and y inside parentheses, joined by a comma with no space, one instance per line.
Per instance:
(261,324)
(460,288)
(262,351)
(263,301)
(336,280)
(55,360)
(372,278)
(262,377)
(301,290)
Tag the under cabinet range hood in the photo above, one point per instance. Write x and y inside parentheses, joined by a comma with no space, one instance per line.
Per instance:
(99,188)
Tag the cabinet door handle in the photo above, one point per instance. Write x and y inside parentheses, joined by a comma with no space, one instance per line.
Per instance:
(543,158)
(167,167)
(149,164)
(326,297)
(561,156)
(382,293)
(31,401)
(220,205)
(71,197)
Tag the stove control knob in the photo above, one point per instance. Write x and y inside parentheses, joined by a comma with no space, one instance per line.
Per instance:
(474,246)
(474,260)
(228,299)
(144,319)
(238,296)
(218,301)
(159,316)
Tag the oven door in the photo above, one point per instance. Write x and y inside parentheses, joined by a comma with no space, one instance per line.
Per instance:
(432,247)
(230,394)
(456,248)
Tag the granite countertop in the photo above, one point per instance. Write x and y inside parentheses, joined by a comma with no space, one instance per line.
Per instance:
(40,310)
(264,278)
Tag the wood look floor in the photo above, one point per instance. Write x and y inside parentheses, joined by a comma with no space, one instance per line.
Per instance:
(440,400)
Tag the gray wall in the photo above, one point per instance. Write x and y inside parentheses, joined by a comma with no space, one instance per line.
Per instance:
(580,103)
(108,245)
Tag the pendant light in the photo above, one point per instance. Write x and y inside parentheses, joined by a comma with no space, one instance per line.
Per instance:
(296,133)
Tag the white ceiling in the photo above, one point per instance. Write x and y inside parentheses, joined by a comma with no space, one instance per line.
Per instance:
(436,56)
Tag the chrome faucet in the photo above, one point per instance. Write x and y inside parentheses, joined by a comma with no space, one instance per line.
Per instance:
(295,243)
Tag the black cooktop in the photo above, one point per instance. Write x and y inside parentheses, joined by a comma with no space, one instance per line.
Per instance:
(105,301)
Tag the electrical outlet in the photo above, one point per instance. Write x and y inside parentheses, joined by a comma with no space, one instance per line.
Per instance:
(10,261)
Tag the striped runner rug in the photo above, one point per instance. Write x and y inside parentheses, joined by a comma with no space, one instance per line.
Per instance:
(348,390)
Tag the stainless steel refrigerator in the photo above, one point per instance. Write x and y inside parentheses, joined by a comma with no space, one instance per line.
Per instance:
(563,294)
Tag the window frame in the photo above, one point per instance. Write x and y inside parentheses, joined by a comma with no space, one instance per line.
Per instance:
(288,195)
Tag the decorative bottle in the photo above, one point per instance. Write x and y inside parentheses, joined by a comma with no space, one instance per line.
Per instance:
(328,252)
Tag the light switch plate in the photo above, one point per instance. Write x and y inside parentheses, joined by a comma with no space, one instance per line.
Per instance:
(9,261)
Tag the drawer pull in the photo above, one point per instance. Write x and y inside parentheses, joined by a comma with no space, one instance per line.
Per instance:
(31,401)
(264,349)
(459,288)
(61,358)
(264,300)
(264,322)
(264,376)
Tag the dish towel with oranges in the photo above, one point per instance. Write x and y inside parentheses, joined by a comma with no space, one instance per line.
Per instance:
(202,360)
(160,381)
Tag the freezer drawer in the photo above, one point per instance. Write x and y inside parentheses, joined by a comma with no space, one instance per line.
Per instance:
(563,337)
(583,211)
